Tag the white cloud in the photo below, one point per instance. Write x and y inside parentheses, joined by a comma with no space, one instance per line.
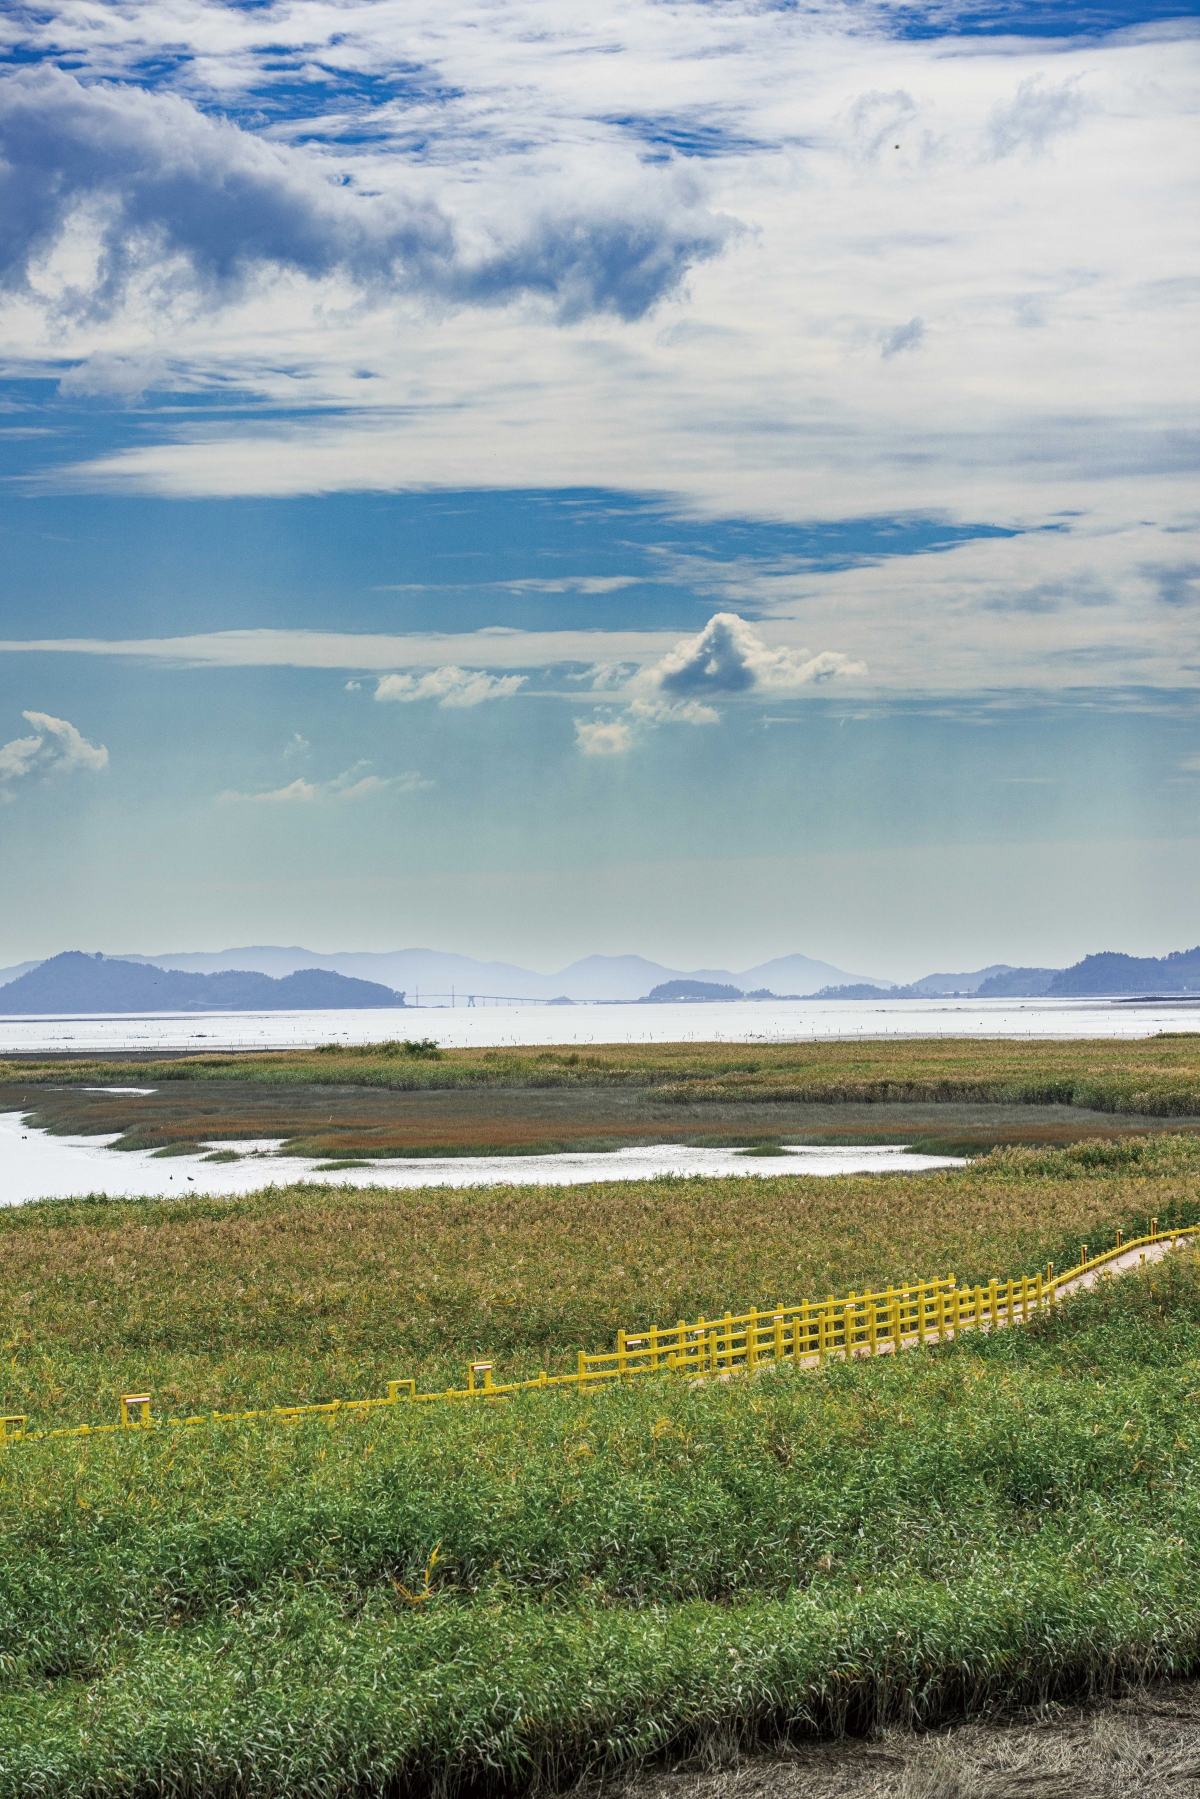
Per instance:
(55,748)
(449,686)
(676,712)
(587,584)
(296,745)
(603,736)
(114,195)
(729,657)
(108,376)
(354,784)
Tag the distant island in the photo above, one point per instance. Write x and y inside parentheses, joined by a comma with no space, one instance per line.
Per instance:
(1106,975)
(74,982)
(668,991)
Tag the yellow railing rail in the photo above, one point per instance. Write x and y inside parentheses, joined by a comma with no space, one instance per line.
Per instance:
(861,1324)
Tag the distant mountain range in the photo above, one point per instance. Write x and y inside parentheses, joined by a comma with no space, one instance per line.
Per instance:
(433,977)
(1109,974)
(74,982)
(277,979)
(1113,973)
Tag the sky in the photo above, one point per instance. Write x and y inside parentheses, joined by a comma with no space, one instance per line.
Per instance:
(701,478)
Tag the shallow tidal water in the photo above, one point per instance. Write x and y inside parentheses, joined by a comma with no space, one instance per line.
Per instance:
(35,1165)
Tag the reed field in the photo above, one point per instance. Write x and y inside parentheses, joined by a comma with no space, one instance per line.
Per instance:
(1157,1076)
(309,1293)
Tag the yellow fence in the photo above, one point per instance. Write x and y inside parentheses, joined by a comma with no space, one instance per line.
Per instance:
(861,1324)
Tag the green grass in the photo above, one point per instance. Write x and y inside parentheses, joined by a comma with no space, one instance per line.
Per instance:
(311,1293)
(517,1594)
(1157,1077)
(259,1612)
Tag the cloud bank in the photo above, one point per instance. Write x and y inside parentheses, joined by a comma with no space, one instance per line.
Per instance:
(55,748)
(107,192)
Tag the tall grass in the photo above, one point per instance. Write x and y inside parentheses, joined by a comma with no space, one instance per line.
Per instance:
(264,1613)
(310,1293)
(1157,1076)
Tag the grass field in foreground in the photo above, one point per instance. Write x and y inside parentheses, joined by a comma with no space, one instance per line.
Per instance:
(306,1293)
(1155,1076)
(518,1594)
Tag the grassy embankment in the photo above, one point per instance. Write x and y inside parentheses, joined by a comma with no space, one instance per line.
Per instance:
(558,1584)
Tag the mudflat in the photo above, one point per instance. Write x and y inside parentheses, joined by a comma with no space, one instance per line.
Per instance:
(330,1121)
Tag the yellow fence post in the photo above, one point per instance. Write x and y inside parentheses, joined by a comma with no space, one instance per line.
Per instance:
(812,1330)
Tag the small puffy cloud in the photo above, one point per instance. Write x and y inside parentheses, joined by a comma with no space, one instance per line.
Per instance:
(296,745)
(674,712)
(612,734)
(449,686)
(603,736)
(54,748)
(904,337)
(605,677)
(729,657)
(354,784)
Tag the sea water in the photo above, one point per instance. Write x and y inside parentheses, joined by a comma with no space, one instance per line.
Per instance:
(516,1023)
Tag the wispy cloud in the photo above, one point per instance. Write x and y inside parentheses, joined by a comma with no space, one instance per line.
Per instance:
(355,783)
(54,748)
(449,686)
(1038,112)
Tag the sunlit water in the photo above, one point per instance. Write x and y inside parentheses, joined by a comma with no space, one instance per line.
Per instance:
(36,1166)
(466,1027)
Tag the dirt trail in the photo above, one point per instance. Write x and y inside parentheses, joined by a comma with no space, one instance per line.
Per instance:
(1133,1258)
(1141,1746)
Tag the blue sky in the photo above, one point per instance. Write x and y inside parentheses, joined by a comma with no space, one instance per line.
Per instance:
(705,478)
